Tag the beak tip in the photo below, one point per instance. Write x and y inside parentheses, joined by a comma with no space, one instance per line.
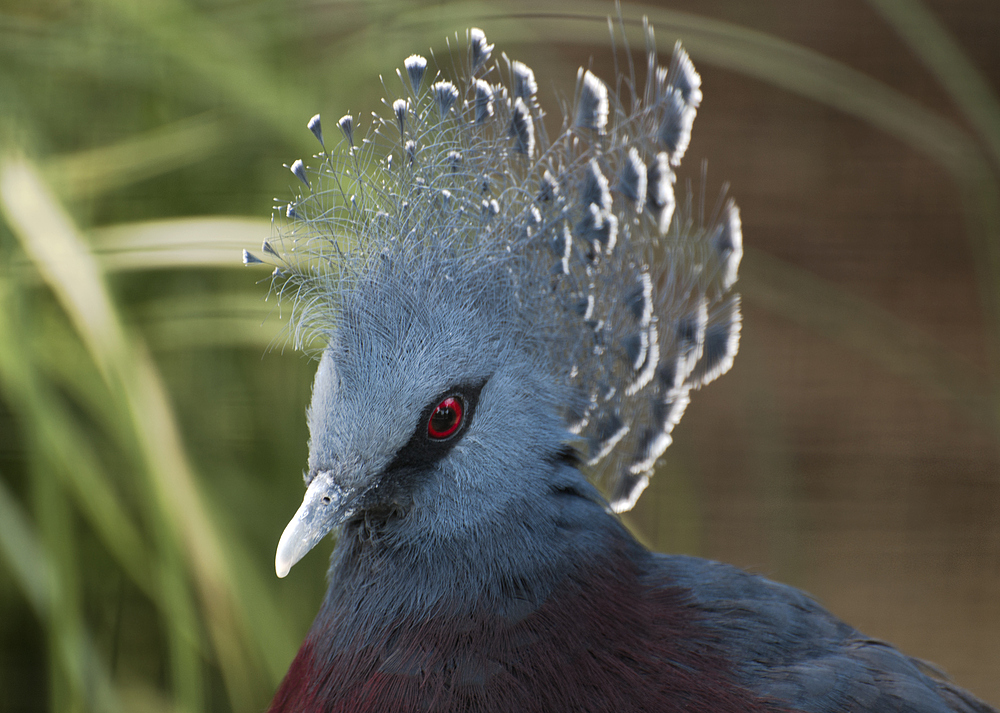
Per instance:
(287,554)
(281,568)
(312,521)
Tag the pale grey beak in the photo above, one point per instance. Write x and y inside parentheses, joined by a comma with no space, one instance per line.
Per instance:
(321,510)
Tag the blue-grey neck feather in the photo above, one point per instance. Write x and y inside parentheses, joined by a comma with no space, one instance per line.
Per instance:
(458,233)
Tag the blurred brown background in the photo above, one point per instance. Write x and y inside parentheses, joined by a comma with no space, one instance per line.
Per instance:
(852,450)
(825,458)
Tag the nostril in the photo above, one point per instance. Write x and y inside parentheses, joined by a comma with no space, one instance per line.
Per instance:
(326,499)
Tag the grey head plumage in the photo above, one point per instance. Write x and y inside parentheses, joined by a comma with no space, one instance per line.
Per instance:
(457,241)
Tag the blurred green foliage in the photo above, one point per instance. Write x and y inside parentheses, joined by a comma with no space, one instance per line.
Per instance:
(150,410)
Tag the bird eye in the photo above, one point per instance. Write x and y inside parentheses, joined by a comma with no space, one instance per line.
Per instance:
(446,418)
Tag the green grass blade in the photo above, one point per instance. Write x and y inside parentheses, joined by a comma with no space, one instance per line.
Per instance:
(98,170)
(221,59)
(61,256)
(181,243)
(72,453)
(943,56)
(32,569)
(23,554)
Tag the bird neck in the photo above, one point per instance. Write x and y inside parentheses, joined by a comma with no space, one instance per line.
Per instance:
(513,557)
(581,625)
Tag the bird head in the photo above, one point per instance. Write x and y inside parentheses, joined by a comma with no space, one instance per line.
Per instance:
(487,295)
(428,415)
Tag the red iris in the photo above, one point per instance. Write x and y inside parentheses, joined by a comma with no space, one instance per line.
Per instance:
(446,419)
